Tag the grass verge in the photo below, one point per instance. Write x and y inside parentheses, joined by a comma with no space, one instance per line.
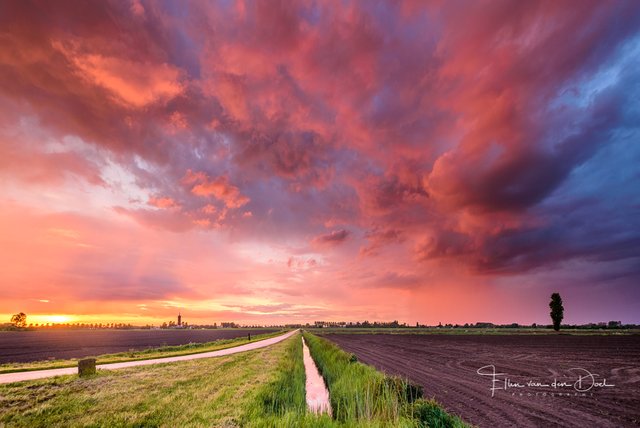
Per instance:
(363,396)
(208,392)
(133,355)
(281,402)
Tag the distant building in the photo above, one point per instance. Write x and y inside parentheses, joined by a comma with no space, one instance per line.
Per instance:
(179,319)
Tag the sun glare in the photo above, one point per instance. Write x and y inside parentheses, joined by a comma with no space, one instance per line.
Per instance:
(52,319)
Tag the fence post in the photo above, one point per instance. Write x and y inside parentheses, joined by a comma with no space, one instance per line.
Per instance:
(87,367)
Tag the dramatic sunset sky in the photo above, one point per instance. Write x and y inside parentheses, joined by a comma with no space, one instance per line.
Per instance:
(270,162)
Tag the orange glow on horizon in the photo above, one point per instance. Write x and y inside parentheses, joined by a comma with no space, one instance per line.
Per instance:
(106,319)
(52,319)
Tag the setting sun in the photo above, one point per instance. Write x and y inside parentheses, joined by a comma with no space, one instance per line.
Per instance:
(52,319)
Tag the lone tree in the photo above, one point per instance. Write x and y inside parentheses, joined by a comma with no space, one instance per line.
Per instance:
(19,320)
(557,310)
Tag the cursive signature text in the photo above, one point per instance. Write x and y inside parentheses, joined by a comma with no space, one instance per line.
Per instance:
(583,381)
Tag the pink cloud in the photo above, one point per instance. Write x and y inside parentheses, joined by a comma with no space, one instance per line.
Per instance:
(163,202)
(436,145)
(380,238)
(133,83)
(332,238)
(219,188)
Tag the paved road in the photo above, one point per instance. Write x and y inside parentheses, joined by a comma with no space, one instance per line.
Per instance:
(39,374)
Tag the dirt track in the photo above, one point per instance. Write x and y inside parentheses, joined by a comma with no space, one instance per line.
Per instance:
(446,366)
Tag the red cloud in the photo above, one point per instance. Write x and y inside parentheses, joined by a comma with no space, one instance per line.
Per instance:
(131,82)
(219,187)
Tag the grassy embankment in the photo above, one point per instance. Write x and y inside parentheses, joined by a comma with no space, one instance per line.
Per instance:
(134,355)
(281,402)
(233,390)
(261,388)
(360,395)
(363,396)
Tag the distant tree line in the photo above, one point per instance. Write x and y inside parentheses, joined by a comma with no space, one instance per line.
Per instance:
(173,324)
(358,324)
(84,326)
(478,325)
(19,322)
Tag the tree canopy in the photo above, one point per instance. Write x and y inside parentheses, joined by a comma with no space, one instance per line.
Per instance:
(557,310)
(19,320)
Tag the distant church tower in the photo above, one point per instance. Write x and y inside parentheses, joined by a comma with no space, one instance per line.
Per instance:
(179,319)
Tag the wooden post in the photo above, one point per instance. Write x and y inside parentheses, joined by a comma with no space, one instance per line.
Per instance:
(87,367)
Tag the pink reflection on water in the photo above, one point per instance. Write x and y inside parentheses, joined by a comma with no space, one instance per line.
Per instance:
(317,393)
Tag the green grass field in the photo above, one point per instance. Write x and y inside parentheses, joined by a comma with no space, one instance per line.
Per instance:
(208,392)
(146,354)
(363,396)
(260,388)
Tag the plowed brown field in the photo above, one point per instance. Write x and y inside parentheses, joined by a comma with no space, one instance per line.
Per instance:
(24,346)
(447,368)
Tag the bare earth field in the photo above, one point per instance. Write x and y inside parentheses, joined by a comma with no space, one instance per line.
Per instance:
(26,346)
(447,367)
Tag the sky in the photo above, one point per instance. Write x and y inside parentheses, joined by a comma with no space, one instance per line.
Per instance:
(293,161)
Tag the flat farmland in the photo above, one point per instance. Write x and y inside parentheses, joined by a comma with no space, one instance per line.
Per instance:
(526,367)
(27,346)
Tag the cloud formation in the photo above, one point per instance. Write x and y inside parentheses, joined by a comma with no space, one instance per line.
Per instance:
(397,145)
(333,238)
(218,187)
